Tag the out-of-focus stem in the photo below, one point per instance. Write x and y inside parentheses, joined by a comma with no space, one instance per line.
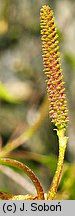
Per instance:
(62,147)
(10,146)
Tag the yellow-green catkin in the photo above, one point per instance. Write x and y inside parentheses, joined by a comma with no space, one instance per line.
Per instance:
(57,102)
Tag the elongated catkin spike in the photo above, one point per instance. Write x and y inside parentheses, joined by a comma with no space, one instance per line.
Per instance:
(57,102)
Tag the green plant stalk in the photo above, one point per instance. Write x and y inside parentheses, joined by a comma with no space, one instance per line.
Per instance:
(56,180)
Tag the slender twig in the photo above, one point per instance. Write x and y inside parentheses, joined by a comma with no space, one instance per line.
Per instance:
(28,171)
(19,179)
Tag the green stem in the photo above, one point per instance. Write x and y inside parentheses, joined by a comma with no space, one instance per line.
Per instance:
(28,171)
(62,147)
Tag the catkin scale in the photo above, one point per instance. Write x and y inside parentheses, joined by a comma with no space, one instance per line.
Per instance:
(55,86)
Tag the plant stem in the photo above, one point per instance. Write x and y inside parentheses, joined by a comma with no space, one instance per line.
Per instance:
(17,178)
(28,171)
(62,147)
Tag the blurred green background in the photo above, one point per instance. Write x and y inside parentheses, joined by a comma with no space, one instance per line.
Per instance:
(23,91)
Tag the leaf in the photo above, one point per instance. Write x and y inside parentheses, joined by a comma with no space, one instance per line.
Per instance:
(5,95)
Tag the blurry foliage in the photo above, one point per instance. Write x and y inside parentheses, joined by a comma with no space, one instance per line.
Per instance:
(22,93)
(70,60)
(5,95)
